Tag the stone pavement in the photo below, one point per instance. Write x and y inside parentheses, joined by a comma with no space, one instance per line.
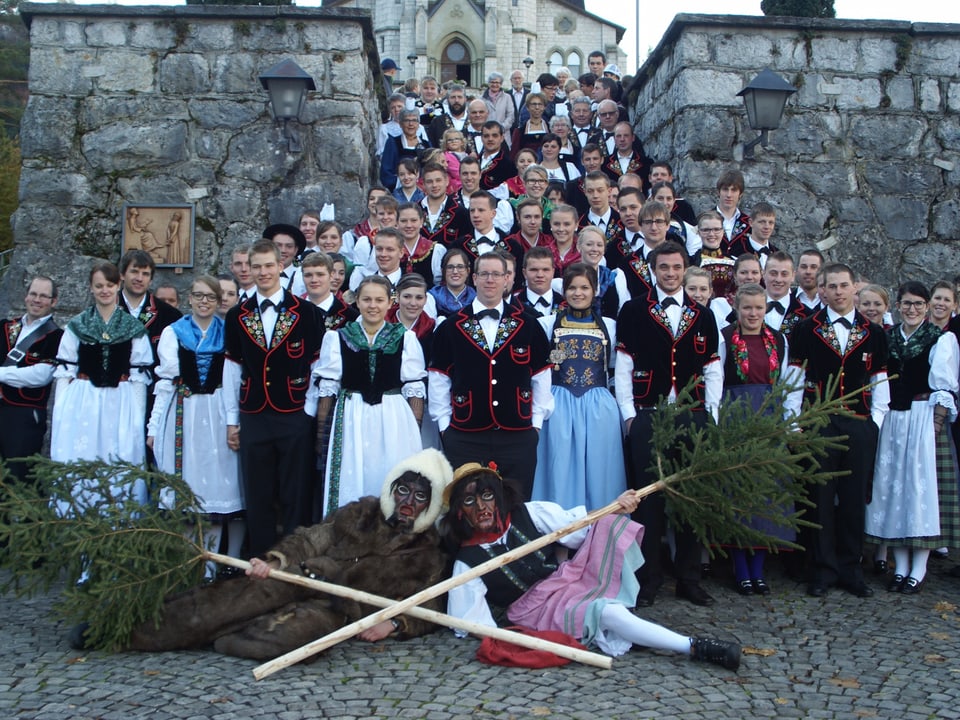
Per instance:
(886,657)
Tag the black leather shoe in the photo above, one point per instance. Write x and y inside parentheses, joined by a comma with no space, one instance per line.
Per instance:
(745,587)
(880,567)
(816,590)
(896,583)
(911,586)
(760,587)
(717,652)
(857,587)
(694,593)
(77,637)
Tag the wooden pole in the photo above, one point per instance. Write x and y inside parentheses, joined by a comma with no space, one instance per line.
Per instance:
(571,653)
(348,631)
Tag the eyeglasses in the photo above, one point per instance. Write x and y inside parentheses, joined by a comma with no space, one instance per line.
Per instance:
(608,113)
(471,500)
(654,221)
(532,105)
(198,296)
(909,304)
(457,268)
(535,181)
(487,275)
(710,231)
(39,296)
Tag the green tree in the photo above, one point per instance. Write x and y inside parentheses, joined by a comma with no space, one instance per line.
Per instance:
(9,183)
(799,8)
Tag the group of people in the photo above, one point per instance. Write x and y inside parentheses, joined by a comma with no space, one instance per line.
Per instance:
(526,328)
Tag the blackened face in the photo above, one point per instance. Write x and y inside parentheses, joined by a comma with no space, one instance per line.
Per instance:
(411,498)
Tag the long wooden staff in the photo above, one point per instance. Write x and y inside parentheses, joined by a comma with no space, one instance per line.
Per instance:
(571,653)
(348,631)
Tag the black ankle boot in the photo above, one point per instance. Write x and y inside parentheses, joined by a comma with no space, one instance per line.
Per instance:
(717,652)
(77,637)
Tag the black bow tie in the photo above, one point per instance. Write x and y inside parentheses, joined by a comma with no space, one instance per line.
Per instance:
(668,301)
(488,313)
(542,302)
(843,321)
(763,251)
(264,304)
(485,239)
(607,135)
(774,305)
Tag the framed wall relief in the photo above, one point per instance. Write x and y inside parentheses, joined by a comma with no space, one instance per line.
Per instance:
(164,231)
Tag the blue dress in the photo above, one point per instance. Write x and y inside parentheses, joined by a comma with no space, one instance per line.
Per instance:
(580,452)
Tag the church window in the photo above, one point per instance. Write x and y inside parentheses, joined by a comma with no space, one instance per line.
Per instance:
(565,25)
(574,63)
(455,63)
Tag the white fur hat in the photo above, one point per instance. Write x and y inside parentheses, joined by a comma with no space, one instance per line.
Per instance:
(436,469)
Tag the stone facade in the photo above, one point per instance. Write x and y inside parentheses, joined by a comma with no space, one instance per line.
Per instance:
(163,105)
(497,34)
(866,164)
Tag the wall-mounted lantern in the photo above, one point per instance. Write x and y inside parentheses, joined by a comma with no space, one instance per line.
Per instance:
(287,85)
(764,98)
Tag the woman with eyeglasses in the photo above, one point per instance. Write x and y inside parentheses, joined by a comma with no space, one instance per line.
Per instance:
(515,185)
(914,508)
(453,293)
(530,134)
(188,425)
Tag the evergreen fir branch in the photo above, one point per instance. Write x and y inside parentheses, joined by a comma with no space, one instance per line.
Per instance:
(117,558)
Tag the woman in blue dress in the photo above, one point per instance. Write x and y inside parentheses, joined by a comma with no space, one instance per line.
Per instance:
(580,453)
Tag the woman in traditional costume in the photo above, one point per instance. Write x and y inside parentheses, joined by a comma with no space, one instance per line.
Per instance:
(373,371)
(580,452)
(914,507)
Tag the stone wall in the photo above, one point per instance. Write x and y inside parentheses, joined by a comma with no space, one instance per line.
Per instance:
(164,105)
(867,161)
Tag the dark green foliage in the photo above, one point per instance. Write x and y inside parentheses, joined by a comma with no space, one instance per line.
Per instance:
(133,555)
(14,61)
(9,184)
(748,464)
(799,8)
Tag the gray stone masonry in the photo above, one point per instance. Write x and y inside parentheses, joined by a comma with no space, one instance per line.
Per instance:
(867,161)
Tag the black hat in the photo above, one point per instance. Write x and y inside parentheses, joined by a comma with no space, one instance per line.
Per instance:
(281,229)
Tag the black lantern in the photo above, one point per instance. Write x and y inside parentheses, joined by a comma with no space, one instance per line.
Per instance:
(765,98)
(527,62)
(287,84)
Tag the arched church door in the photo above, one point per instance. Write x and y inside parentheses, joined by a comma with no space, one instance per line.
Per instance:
(455,63)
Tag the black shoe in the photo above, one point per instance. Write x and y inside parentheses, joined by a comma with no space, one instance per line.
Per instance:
(760,587)
(694,593)
(648,594)
(939,554)
(857,587)
(896,583)
(717,652)
(880,567)
(745,587)
(225,572)
(911,586)
(816,590)
(77,637)
(954,572)
(705,570)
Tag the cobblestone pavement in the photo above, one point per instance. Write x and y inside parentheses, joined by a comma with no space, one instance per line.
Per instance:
(887,657)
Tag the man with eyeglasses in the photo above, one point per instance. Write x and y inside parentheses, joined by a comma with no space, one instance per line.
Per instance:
(490,379)
(608,116)
(28,353)
(653,219)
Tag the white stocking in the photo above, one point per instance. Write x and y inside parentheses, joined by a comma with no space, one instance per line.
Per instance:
(918,569)
(618,619)
(901,556)
(236,529)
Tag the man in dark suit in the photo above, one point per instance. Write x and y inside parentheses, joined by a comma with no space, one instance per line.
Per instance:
(485,238)
(444,219)
(518,95)
(496,167)
(271,342)
(490,380)
(837,342)
(454,117)
(784,311)
(137,269)
(28,353)
(664,340)
(537,295)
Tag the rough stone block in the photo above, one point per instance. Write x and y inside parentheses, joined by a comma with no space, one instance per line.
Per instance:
(876,55)
(902,218)
(349,75)
(808,91)
(159,188)
(99,110)
(125,146)
(701,130)
(54,71)
(823,178)
(230,114)
(905,178)
(933,56)
(858,93)
(739,51)
(341,150)
(790,51)
(692,48)
(55,187)
(948,133)
(953,96)
(235,73)
(238,201)
(333,36)
(152,34)
(800,134)
(834,53)
(698,86)
(106,33)
(44,31)
(48,128)
(900,92)
(185,74)
(925,261)
(210,36)
(946,223)
(211,144)
(887,137)
(259,154)
(930,95)
(127,71)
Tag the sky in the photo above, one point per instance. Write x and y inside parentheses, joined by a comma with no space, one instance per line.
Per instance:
(655,16)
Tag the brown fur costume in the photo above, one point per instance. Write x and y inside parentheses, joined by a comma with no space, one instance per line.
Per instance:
(262,619)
